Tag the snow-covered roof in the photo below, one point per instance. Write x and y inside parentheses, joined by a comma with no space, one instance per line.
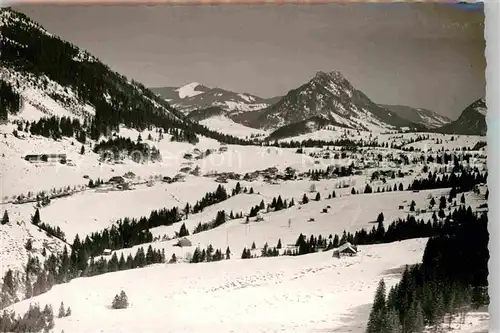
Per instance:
(344,247)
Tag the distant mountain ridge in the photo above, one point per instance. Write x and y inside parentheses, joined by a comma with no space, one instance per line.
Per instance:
(428,118)
(195,96)
(472,120)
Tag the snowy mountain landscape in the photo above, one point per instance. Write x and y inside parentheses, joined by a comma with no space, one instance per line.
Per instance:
(195,96)
(196,209)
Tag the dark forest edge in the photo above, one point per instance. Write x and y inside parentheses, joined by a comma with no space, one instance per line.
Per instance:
(451,280)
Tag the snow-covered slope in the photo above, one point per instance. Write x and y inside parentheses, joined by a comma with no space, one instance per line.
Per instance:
(43,97)
(195,96)
(14,237)
(302,294)
(28,56)
(189,90)
(226,125)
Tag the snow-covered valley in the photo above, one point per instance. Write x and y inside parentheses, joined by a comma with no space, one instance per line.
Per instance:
(189,209)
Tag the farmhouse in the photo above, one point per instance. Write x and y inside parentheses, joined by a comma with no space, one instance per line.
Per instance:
(167,179)
(46,158)
(183,242)
(346,249)
(259,217)
(116,180)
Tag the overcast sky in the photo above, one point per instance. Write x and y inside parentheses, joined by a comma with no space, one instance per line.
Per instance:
(421,55)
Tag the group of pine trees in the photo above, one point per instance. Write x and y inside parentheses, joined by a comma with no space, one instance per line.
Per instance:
(276,204)
(331,171)
(120,301)
(117,147)
(57,269)
(34,320)
(55,127)
(211,198)
(219,220)
(209,254)
(462,183)
(53,231)
(140,259)
(451,280)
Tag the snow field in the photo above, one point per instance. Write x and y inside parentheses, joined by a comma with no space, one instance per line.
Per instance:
(227,126)
(292,294)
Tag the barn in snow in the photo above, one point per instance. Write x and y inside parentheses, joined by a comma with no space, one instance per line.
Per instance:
(183,242)
(346,249)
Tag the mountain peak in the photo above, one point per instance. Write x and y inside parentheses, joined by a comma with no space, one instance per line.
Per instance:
(189,90)
(336,75)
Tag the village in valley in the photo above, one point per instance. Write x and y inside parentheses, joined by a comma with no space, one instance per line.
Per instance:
(119,222)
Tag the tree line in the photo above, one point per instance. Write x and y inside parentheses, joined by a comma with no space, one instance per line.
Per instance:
(400,229)
(209,254)
(450,281)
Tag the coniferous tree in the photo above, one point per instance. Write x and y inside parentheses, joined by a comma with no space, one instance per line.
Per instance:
(442,202)
(393,324)
(62,312)
(29,245)
(5,218)
(120,301)
(183,232)
(419,323)
(432,203)
(173,259)
(318,197)
(377,320)
(35,219)
(305,199)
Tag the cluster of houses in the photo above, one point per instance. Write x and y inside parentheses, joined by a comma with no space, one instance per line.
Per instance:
(125,182)
(269,175)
